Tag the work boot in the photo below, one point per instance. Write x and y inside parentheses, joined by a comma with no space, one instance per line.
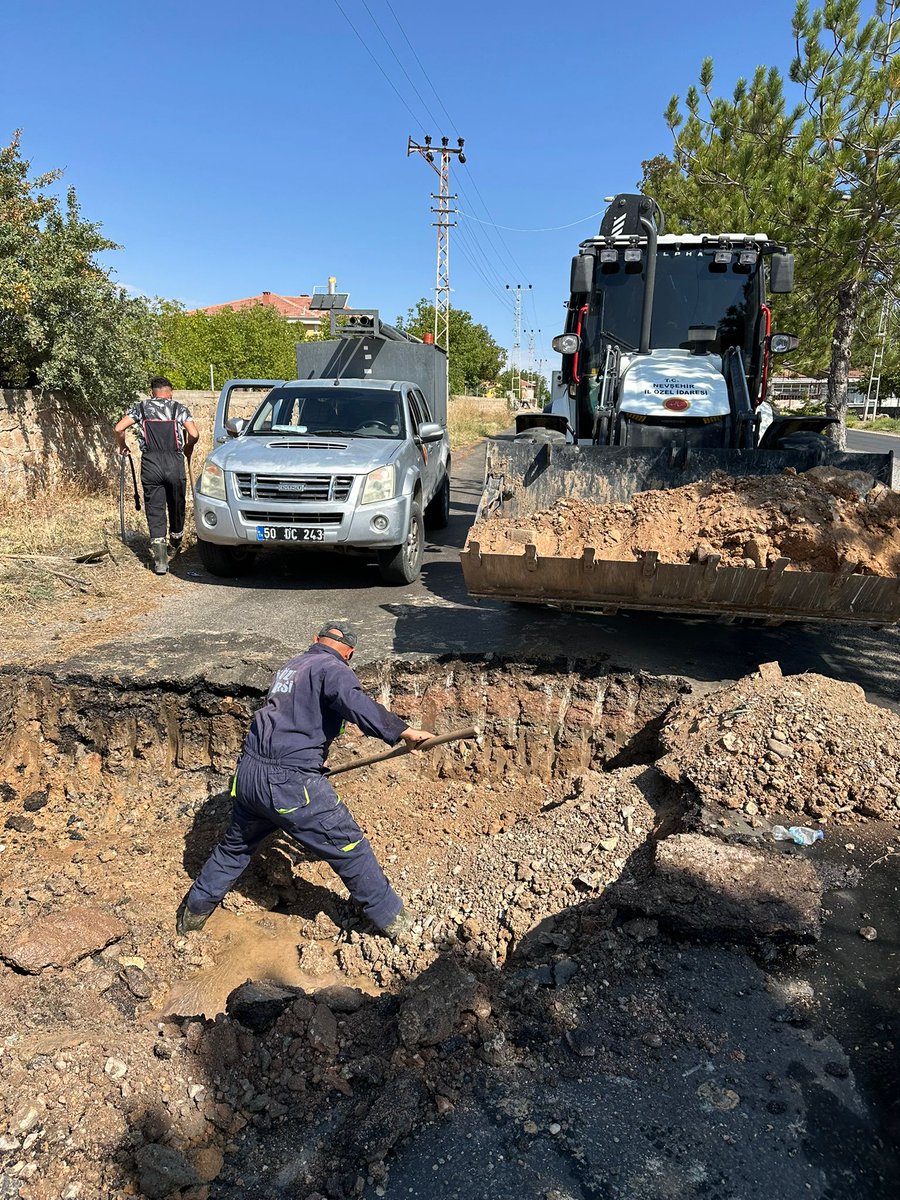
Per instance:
(160,559)
(400,929)
(187,921)
(175,540)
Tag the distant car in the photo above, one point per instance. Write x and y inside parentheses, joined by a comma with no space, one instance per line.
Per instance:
(347,464)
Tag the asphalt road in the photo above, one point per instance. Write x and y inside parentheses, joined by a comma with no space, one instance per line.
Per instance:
(873,443)
(290,594)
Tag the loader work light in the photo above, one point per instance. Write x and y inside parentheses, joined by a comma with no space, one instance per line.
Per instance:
(566,343)
(723,257)
(633,254)
(609,256)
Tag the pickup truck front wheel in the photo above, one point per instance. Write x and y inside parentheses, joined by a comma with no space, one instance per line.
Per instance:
(402,564)
(224,561)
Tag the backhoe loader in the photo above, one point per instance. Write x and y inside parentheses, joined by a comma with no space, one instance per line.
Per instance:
(665,360)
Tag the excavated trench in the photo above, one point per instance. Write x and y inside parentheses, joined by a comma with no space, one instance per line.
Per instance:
(510,847)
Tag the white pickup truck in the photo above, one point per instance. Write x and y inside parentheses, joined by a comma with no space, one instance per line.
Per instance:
(347,462)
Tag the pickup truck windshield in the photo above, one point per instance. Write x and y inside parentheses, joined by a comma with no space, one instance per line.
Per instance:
(330,412)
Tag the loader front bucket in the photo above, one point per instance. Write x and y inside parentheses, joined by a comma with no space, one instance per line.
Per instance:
(523,477)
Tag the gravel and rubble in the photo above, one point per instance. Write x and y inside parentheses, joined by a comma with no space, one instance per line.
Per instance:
(819,520)
(797,746)
(287,1051)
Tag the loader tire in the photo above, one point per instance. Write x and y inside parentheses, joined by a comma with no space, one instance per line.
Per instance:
(224,561)
(545,437)
(819,443)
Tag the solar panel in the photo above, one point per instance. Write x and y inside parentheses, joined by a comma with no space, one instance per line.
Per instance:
(324,301)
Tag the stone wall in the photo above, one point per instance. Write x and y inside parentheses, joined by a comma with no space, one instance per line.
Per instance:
(45,437)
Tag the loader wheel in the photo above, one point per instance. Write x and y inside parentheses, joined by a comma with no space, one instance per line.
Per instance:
(402,564)
(437,513)
(818,443)
(542,435)
(224,561)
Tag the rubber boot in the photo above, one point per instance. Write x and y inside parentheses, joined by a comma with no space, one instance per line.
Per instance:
(187,921)
(400,929)
(175,540)
(160,561)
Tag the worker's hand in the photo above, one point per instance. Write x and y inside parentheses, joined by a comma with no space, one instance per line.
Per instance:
(124,450)
(415,737)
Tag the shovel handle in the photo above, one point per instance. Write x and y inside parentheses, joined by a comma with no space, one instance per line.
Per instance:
(441,739)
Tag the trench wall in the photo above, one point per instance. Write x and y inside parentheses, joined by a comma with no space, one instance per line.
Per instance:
(79,737)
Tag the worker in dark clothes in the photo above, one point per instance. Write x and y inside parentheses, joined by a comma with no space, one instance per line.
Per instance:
(281,783)
(167,436)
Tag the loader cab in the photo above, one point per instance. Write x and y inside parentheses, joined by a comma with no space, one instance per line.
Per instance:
(667,336)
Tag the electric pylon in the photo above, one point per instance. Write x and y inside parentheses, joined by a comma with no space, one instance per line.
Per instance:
(444,212)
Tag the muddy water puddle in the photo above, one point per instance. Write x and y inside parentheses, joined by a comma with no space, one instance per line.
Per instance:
(262,951)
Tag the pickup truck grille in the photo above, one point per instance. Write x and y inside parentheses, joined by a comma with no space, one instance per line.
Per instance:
(316,489)
(263,516)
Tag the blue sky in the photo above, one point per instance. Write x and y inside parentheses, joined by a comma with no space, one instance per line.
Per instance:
(236,147)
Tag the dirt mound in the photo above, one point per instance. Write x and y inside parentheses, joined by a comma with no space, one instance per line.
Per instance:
(819,520)
(787,746)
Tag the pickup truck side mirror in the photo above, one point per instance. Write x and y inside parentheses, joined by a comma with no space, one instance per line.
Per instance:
(430,431)
(235,426)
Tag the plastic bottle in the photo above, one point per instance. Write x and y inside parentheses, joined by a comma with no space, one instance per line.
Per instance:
(802,835)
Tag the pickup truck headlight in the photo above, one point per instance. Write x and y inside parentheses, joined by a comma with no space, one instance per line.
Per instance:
(379,486)
(212,482)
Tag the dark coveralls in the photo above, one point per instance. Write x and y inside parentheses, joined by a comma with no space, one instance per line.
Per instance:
(162,465)
(280,783)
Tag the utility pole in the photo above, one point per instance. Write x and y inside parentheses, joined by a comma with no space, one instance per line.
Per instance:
(517,342)
(444,212)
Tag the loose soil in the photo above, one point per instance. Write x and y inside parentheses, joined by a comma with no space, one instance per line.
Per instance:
(122,1074)
(819,520)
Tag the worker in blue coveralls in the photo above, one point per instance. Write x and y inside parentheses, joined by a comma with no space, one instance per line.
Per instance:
(281,783)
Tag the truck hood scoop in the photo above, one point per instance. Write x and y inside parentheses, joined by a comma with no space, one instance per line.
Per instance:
(315,445)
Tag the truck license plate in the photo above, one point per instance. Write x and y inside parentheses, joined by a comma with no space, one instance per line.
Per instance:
(288,533)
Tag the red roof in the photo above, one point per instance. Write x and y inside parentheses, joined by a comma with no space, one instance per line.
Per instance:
(288,306)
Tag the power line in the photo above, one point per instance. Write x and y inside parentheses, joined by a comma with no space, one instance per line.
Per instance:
(381,32)
(543,229)
(390,81)
(400,26)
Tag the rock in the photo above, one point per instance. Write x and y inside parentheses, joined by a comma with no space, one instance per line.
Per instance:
(394,1112)
(437,1000)
(35,801)
(208,1163)
(61,939)
(718,1098)
(580,1042)
(162,1171)
(115,1068)
(322,1031)
(258,1005)
(136,982)
(700,883)
(340,998)
(869,932)
(641,929)
(20,823)
(653,1040)
(564,969)
(8,1142)
(25,1118)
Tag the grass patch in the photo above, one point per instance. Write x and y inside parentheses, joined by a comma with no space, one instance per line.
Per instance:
(878,425)
(469,419)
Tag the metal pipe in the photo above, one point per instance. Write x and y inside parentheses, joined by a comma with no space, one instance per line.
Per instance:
(649,285)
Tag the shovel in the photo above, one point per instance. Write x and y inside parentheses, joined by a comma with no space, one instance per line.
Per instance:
(137,499)
(441,739)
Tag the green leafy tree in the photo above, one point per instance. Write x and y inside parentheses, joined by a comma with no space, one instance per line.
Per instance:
(248,343)
(474,358)
(823,176)
(64,324)
(508,381)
